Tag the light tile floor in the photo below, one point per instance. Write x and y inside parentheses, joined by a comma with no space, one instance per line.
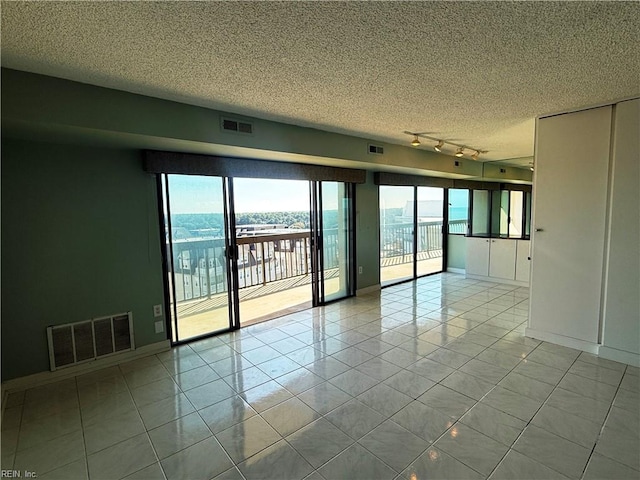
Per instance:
(428,379)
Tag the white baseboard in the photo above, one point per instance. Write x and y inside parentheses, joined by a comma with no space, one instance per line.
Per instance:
(498,280)
(562,340)
(621,356)
(42,378)
(367,290)
(456,270)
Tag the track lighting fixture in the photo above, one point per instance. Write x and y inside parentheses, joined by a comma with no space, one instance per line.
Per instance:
(441,144)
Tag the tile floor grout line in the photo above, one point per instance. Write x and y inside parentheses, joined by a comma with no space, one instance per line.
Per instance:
(534,415)
(604,422)
(84,440)
(360,329)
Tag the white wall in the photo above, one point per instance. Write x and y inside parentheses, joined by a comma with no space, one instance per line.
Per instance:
(621,312)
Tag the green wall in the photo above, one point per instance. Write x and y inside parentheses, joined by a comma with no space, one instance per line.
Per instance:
(60,108)
(367,234)
(80,235)
(456,253)
(80,239)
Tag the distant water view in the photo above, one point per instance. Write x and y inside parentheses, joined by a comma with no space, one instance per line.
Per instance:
(458,213)
(188,225)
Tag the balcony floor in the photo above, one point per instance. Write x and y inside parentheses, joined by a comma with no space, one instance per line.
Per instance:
(257,304)
(395,269)
(282,297)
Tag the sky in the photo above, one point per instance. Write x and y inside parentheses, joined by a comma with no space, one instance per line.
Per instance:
(195,194)
(397,197)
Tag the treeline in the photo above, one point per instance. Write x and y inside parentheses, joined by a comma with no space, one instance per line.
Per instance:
(290,219)
(205,221)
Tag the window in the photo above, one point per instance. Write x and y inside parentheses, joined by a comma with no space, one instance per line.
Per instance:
(500,213)
(516,214)
(480,213)
(458,211)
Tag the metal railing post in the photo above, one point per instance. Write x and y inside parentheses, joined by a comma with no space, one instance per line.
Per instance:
(264,275)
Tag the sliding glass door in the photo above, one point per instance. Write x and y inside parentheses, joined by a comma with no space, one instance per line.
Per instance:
(397,219)
(243,250)
(332,214)
(411,232)
(429,231)
(197,242)
(272,238)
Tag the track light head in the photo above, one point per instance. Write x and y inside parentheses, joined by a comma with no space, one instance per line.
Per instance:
(442,143)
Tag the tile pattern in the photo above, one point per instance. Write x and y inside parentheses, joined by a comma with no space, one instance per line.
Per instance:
(428,379)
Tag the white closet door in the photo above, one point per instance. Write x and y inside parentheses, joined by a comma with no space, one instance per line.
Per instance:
(570,198)
(622,305)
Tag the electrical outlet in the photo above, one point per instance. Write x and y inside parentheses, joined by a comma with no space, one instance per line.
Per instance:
(359,270)
(159,326)
(157,310)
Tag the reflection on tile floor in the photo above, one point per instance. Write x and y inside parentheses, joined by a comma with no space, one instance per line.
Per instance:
(428,379)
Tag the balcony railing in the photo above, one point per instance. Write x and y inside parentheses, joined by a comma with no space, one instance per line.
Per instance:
(200,265)
(397,239)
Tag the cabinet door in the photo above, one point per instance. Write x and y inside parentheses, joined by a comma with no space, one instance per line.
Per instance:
(502,259)
(477,262)
(523,263)
(570,201)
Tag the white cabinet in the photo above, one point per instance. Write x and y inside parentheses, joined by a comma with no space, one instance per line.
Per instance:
(477,261)
(502,259)
(498,260)
(523,261)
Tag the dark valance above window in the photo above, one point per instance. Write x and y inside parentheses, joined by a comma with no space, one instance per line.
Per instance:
(401,179)
(404,180)
(211,165)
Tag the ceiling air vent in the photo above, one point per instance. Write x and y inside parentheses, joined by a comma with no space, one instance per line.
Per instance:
(376,149)
(231,125)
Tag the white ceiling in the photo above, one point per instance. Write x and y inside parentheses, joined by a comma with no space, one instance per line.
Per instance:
(474,73)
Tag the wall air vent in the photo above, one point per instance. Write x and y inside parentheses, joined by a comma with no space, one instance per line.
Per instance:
(376,149)
(231,125)
(80,342)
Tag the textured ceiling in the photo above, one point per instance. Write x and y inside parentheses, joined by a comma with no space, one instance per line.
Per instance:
(474,73)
